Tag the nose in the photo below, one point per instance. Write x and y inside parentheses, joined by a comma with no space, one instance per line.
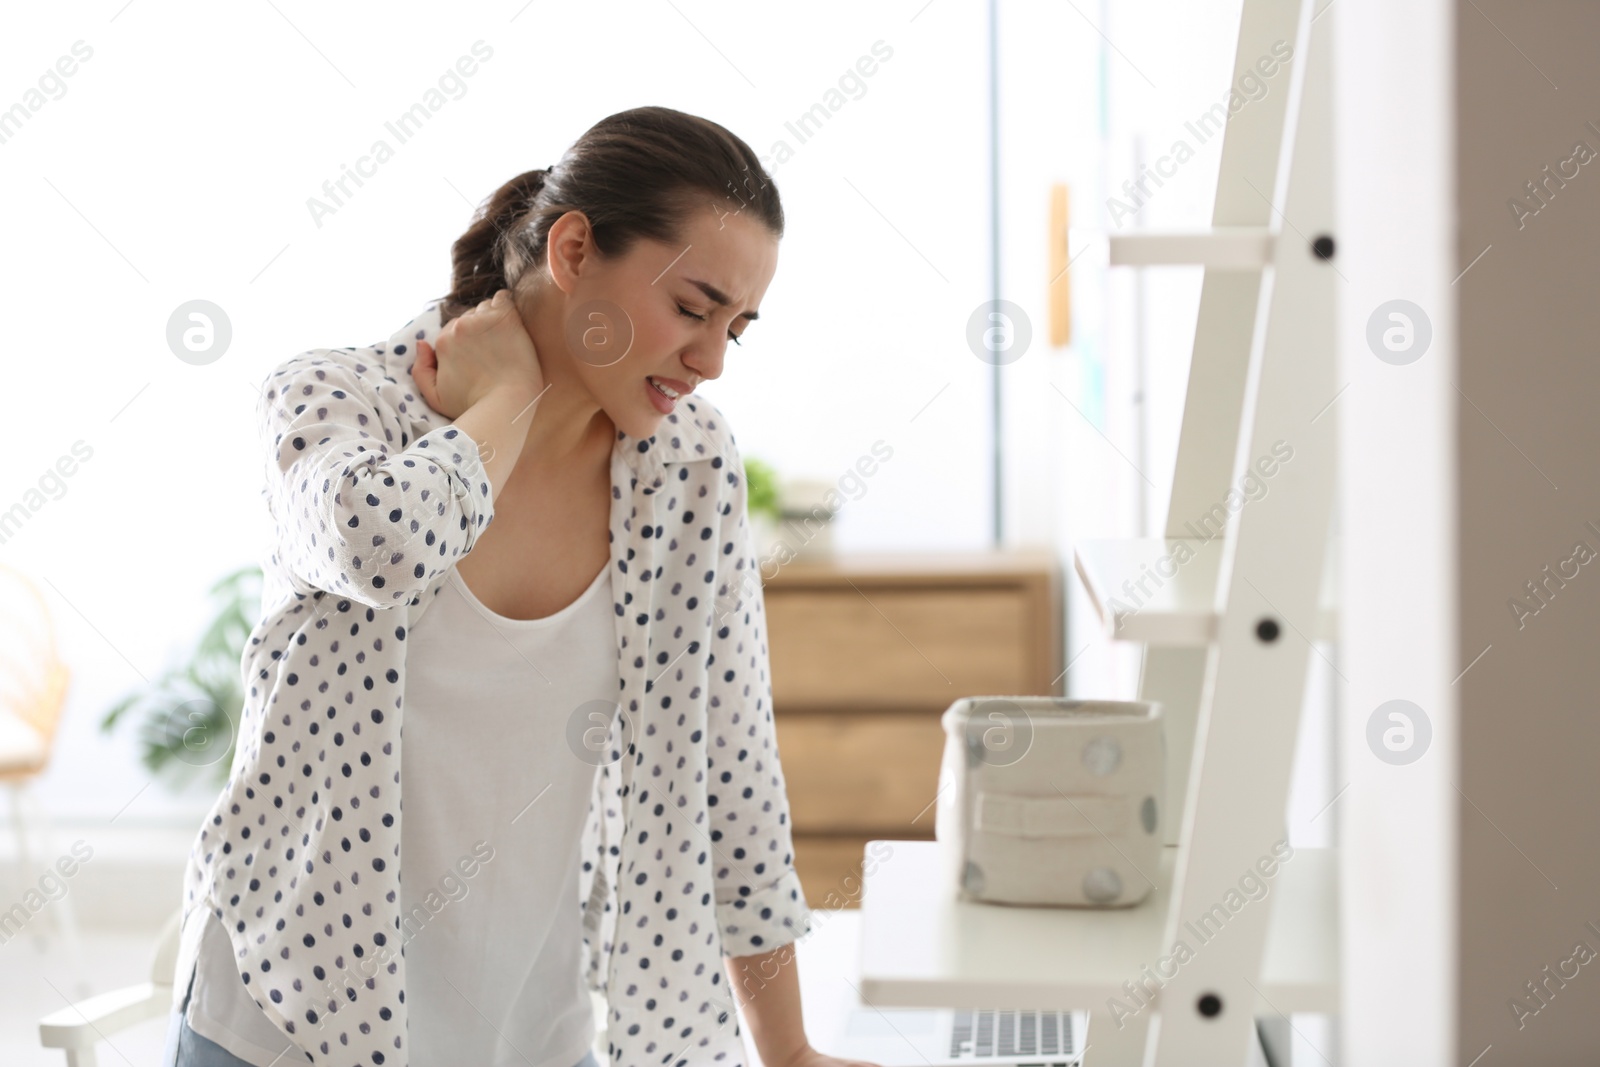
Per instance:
(704,360)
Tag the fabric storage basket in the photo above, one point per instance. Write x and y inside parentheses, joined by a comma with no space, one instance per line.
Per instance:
(1045,800)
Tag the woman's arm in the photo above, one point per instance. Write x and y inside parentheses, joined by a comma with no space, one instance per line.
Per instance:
(486,368)
(761,907)
(352,517)
(499,423)
(768,990)
(760,903)
(375,526)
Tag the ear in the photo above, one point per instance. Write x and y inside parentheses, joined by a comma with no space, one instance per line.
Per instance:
(569,249)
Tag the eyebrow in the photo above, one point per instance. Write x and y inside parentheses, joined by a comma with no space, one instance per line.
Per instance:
(722,298)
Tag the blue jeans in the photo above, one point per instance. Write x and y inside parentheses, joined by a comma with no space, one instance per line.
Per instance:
(185,1048)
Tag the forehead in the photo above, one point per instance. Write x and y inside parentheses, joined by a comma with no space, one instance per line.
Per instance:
(730,249)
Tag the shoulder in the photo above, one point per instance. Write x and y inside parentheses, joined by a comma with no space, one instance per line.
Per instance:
(332,368)
(357,385)
(702,435)
(694,448)
(350,383)
(306,377)
(697,432)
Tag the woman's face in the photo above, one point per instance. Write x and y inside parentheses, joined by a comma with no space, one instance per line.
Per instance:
(661,312)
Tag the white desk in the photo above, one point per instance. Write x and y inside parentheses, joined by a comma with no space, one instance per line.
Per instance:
(921,947)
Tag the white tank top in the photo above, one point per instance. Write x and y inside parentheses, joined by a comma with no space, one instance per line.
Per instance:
(494,796)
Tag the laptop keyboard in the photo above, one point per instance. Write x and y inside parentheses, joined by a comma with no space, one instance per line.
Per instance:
(987,1033)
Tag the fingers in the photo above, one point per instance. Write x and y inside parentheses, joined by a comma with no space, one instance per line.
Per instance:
(497,302)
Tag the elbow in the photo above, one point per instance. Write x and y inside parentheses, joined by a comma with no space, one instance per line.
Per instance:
(376,528)
(396,560)
(753,921)
(367,577)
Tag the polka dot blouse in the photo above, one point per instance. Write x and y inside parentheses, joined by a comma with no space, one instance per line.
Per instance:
(687,854)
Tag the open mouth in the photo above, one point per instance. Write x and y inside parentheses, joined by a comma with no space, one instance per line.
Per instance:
(664,394)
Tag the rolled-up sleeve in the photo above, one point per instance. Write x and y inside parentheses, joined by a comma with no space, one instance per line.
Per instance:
(759,901)
(352,516)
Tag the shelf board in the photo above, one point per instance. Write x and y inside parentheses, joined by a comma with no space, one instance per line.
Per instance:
(1217,248)
(1180,610)
(921,947)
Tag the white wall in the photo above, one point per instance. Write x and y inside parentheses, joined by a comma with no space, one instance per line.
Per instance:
(1394,117)
(178,163)
(1133,75)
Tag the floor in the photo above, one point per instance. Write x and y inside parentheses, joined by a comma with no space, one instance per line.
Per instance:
(36,979)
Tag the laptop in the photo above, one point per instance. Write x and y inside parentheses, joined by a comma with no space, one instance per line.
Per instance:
(952,1037)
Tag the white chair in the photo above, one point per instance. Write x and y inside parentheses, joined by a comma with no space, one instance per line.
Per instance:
(32,695)
(78,1029)
(33,692)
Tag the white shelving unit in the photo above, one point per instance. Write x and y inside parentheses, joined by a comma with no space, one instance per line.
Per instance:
(1227,637)
(1180,611)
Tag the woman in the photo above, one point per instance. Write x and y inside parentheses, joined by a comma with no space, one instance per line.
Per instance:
(512,526)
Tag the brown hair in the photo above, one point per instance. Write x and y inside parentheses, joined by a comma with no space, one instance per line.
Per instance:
(634,174)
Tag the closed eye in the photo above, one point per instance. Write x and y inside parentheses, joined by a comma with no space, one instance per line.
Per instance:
(701,318)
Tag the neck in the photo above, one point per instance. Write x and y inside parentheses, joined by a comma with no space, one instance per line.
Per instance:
(570,431)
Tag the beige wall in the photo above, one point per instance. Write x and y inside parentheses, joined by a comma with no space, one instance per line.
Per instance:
(1528,425)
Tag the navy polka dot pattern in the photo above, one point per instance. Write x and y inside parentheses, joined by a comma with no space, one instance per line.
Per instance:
(687,846)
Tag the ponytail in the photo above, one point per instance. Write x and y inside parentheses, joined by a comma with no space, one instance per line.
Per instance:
(479,257)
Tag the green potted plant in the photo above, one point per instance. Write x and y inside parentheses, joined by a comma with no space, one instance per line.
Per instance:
(190,715)
(761,496)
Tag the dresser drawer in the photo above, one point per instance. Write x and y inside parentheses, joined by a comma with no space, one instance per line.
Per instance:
(898,647)
(871,772)
(867,650)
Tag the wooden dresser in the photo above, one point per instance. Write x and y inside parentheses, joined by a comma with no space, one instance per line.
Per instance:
(867,651)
